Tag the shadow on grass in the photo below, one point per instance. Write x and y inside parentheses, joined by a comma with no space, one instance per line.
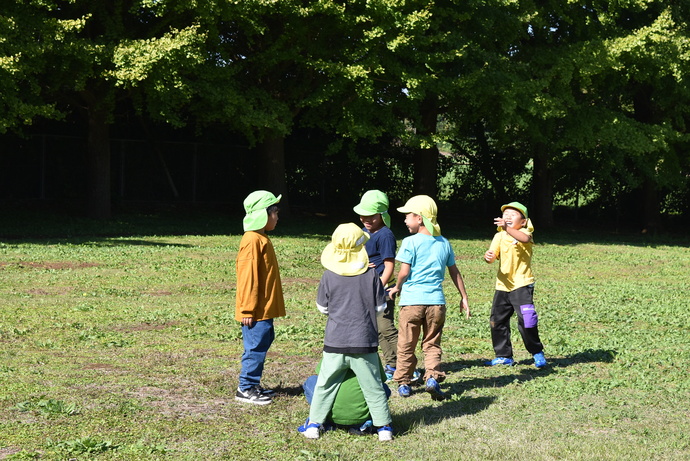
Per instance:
(405,421)
(586,356)
(292,391)
(528,374)
(40,225)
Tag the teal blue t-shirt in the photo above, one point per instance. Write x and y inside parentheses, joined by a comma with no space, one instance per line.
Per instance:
(428,258)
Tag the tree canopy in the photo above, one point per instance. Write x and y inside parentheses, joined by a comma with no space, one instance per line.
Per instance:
(585,97)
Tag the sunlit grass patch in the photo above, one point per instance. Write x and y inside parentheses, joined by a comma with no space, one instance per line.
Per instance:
(127,348)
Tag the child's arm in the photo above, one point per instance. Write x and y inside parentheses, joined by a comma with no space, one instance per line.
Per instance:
(247,287)
(388,268)
(459,283)
(492,253)
(517,234)
(322,296)
(403,273)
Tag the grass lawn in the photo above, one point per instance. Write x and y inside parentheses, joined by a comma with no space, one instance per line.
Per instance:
(118,341)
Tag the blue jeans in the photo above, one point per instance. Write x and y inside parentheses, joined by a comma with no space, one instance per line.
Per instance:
(257,339)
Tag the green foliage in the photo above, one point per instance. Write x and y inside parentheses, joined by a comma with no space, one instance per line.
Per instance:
(595,91)
(85,445)
(48,407)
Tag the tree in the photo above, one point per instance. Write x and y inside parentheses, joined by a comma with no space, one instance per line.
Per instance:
(560,90)
(21,102)
(74,64)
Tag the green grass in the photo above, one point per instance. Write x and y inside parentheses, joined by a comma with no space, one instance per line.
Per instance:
(119,342)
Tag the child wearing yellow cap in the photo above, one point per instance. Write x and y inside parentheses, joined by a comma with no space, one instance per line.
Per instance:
(424,257)
(512,245)
(259,293)
(351,294)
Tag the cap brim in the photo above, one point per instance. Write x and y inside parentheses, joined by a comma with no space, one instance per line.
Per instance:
(355,266)
(363,211)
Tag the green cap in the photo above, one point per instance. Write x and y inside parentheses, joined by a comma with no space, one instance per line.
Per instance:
(255,206)
(518,206)
(373,202)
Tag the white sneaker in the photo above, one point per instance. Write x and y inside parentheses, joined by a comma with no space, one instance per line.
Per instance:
(385,433)
(310,430)
(252,395)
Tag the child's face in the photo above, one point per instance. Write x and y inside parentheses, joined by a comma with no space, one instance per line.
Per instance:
(272,220)
(372,223)
(513,218)
(413,222)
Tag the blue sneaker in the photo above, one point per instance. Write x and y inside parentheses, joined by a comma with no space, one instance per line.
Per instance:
(433,388)
(501,361)
(539,360)
(404,390)
(309,429)
(389,372)
(385,433)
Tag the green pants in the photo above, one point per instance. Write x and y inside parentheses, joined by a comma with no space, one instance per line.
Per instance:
(388,334)
(333,369)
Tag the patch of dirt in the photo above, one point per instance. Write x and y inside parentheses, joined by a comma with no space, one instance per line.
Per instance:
(100,366)
(146,327)
(43,292)
(60,265)
(180,402)
(7,451)
(158,293)
(300,280)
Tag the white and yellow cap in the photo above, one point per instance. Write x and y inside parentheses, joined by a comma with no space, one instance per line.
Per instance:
(346,254)
(424,206)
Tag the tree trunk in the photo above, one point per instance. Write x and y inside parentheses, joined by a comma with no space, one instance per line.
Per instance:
(426,159)
(542,189)
(98,150)
(650,206)
(485,160)
(426,171)
(271,176)
(650,198)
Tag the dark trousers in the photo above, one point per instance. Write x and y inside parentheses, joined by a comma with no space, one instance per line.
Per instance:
(520,302)
(388,334)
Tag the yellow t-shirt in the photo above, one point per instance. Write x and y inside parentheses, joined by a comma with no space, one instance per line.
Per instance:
(515,260)
(259,292)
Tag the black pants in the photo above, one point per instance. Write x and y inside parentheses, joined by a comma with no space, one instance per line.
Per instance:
(520,302)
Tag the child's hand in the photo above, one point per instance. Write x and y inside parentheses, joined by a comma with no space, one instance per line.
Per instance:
(500,222)
(465,306)
(489,256)
(393,291)
(247,321)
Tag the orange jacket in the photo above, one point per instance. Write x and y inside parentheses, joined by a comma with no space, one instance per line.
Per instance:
(259,292)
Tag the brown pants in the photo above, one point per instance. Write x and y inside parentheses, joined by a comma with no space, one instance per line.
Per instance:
(412,321)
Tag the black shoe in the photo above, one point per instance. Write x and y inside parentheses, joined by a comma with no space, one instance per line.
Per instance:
(266,392)
(252,395)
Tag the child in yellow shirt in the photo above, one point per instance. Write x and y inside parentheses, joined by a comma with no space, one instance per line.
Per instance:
(512,246)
